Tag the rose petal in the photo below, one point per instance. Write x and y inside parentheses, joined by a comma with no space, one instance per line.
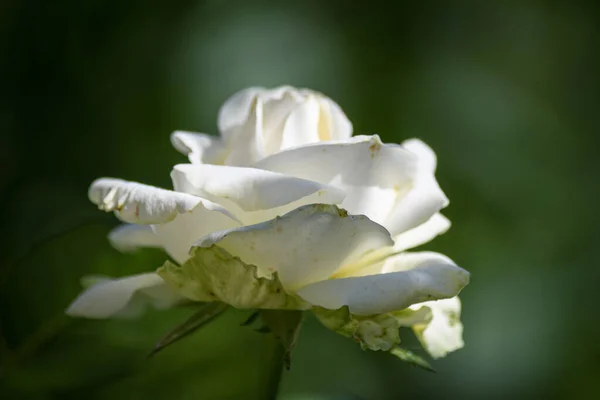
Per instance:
(130,237)
(441,334)
(302,124)
(427,231)
(372,174)
(387,183)
(405,279)
(137,203)
(244,191)
(236,110)
(199,147)
(124,297)
(425,198)
(427,158)
(177,236)
(333,125)
(304,246)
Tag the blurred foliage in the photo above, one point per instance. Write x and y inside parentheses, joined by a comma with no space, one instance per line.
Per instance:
(506,93)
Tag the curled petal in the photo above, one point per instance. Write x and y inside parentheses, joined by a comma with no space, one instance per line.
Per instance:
(212,274)
(304,246)
(302,125)
(427,158)
(130,237)
(246,191)
(436,225)
(405,279)
(373,175)
(442,332)
(124,297)
(387,183)
(138,203)
(256,122)
(418,205)
(199,147)
(237,109)
(333,125)
(178,236)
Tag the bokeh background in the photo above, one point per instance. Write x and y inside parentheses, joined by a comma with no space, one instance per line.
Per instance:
(506,93)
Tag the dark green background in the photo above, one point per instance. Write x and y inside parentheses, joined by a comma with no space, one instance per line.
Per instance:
(506,93)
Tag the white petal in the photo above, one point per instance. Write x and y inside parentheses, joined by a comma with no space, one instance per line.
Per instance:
(304,246)
(405,279)
(277,106)
(244,190)
(426,155)
(442,334)
(426,196)
(130,237)
(333,125)
(199,148)
(177,236)
(373,175)
(237,109)
(302,125)
(137,203)
(422,234)
(124,297)
(245,143)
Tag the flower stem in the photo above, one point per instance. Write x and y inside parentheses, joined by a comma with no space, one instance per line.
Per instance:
(274,354)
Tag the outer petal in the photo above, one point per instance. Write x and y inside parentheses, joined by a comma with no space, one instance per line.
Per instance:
(177,236)
(124,297)
(304,246)
(130,237)
(405,279)
(199,147)
(373,175)
(137,203)
(246,191)
(427,158)
(442,333)
(426,196)
(422,234)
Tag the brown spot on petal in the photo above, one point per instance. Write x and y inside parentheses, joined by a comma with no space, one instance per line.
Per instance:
(374,149)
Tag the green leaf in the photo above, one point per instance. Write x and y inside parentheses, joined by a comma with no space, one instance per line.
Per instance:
(212,274)
(412,358)
(285,325)
(200,318)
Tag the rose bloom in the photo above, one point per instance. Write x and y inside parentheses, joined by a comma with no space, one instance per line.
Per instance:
(285,210)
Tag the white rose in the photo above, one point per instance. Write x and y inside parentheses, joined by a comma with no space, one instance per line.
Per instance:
(222,226)
(257,122)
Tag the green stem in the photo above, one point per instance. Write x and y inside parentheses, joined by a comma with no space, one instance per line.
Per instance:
(273,360)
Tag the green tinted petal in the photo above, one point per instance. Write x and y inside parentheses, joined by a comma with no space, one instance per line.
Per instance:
(213,274)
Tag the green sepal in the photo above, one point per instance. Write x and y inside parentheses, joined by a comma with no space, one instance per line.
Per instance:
(285,326)
(213,274)
(373,332)
(411,358)
(204,315)
(250,320)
